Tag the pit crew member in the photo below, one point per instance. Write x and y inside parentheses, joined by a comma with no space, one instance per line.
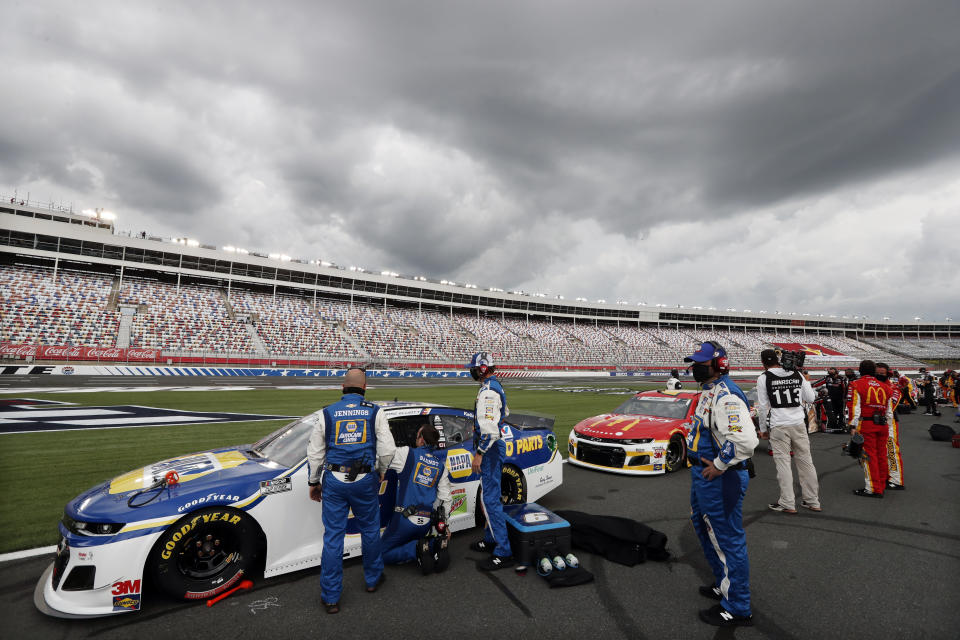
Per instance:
(894,458)
(423,491)
(836,386)
(490,412)
(349,450)
(780,394)
(673,382)
(870,412)
(719,444)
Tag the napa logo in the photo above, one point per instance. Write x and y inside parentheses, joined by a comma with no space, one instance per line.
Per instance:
(459,463)
(351,432)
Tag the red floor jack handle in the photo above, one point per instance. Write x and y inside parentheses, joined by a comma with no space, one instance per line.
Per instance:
(246,584)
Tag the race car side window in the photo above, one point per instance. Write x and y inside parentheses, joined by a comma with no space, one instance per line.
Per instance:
(457,429)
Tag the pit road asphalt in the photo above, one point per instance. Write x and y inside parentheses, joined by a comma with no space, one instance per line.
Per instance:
(863,568)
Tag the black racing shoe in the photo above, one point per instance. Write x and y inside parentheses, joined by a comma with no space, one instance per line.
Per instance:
(895,487)
(863,493)
(482,545)
(720,617)
(711,591)
(494,563)
(332,607)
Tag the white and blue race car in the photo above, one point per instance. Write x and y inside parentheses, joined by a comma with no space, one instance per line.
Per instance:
(193,526)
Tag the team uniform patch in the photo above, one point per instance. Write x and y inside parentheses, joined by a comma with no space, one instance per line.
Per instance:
(425,475)
(29,418)
(351,431)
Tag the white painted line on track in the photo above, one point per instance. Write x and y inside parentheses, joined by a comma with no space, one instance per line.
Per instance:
(60,413)
(152,420)
(27,553)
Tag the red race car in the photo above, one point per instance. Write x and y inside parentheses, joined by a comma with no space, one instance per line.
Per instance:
(646,435)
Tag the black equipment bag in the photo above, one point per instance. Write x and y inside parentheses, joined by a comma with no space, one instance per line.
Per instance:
(941,432)
(617,539)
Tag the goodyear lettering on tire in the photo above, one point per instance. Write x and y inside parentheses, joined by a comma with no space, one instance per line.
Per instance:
(216,516)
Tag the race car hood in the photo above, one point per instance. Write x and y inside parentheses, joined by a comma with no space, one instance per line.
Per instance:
(627,427)
(216,477)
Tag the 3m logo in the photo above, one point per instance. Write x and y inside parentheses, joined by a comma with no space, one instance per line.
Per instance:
(124,587)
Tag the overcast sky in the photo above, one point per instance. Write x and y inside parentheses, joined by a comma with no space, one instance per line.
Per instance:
(797,156)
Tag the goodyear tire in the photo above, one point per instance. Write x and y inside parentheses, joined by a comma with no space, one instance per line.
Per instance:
(204,553)
(675,457)
(513,486)
(513,490)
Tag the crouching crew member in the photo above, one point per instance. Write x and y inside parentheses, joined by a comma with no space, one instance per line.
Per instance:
(894,459)
(870,412)
(423,493)
(490,413)
(349,449)
(719,444)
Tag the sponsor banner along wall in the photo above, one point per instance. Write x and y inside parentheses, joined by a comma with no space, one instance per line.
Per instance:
(62,352)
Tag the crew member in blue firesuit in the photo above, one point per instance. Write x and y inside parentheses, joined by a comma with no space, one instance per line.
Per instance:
(721,440)
(490,413)
(423,490)
(349,450)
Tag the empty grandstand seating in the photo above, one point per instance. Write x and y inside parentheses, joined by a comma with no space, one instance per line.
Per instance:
(37,308)
(185,318)
(79,309)
(290,325)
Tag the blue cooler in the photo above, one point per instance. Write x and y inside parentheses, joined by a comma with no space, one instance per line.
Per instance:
(536,532)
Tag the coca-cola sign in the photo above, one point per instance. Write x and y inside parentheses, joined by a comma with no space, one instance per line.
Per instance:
(65,352)
(142,355)
(9,350)
(105,353)
(60,353)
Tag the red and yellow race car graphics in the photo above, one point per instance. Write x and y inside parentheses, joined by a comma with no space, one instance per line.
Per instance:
(646,435)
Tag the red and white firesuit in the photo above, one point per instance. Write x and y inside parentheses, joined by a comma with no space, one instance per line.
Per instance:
(894,459)
(868,397)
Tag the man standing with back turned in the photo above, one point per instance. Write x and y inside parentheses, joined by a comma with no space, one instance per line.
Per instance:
(490,413)
(349,449)
(719,444)
(781,394)
(870,413)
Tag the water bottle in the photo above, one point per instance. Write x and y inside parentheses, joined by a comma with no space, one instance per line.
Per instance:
(558,563)
(572,561)
(545,567)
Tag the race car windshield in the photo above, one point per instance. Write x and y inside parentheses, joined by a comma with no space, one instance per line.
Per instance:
(287,445)
(658,407)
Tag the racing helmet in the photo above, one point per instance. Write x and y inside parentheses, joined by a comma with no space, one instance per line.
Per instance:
(480,365)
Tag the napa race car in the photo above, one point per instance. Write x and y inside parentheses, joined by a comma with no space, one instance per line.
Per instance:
(646,435)
(193,526)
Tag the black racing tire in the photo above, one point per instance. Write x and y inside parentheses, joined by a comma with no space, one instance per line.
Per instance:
(205,553)
(513,490)
(675,457)
(513,486)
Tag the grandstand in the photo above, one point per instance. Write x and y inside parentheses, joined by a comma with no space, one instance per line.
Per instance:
(76,283)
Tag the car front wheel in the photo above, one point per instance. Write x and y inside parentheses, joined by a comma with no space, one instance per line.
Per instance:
(676,455)
(205,553)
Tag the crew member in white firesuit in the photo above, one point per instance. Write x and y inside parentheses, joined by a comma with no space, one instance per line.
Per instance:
(423,492)
(490,413)
(348,452)
(719,445)
(673,382)
(780,396)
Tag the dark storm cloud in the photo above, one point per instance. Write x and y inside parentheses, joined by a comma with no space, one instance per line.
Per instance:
(517,144)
